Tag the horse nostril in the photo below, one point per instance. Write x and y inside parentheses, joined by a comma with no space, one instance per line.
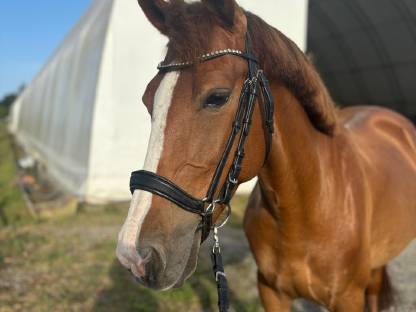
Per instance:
(153,269)
(146,254)
(154,264)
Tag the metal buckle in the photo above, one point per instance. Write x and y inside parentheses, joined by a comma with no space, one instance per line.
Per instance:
(232,180)
(228,207)
(216,245)
(211,206)
(219,273)
(215,228)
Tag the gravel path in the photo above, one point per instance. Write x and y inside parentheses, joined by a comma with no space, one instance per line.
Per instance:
(403,274)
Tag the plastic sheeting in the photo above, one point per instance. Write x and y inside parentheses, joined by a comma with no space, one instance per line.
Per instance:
(82,115)
(53,117)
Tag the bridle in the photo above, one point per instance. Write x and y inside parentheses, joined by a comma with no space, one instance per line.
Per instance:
(151,182)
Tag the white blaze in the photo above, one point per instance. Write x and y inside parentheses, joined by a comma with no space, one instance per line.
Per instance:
(141,201)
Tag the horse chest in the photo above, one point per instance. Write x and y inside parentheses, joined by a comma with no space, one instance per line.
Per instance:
(301,266)
(301,277)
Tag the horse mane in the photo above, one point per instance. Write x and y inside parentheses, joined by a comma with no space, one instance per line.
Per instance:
(189,29)
(283,60)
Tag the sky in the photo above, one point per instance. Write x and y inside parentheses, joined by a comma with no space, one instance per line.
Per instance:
(29,33)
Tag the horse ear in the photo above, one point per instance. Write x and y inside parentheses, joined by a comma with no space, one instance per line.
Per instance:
(156,11)
(224,9)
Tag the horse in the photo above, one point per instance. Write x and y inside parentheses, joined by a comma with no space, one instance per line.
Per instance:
(334,201)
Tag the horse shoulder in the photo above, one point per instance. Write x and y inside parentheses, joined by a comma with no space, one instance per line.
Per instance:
(386,144)
(366,120)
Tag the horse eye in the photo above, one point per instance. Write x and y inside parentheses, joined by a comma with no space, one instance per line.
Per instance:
(217,98)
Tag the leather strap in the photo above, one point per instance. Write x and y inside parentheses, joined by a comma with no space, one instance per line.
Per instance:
(268,111)
(208,57)
(231,181)
(237,125)
(153,183)
(221,280)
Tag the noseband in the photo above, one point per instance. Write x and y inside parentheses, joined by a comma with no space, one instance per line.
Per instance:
(255,83)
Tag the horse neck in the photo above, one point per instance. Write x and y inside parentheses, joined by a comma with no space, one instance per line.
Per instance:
(294,177)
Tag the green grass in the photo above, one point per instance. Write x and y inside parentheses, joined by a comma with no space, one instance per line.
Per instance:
(69,264)
(4,111)
(12,207)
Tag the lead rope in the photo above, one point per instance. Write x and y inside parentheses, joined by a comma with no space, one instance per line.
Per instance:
(220,277)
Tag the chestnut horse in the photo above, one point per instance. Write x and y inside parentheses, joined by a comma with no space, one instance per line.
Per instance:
(335,200)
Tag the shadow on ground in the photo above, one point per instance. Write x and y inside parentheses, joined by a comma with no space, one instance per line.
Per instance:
(124,294)
(197,294)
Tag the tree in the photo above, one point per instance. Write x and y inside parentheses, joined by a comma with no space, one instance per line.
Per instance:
(8,100)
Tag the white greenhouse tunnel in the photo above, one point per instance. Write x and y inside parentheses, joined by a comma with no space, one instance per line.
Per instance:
(83,118)
(82,115)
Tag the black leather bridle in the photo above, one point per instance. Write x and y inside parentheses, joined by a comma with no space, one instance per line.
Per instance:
(255,83)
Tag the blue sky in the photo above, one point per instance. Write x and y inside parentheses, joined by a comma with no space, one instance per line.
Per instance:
(29,33)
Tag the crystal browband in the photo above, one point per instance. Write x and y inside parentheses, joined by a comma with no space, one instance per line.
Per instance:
(206,57)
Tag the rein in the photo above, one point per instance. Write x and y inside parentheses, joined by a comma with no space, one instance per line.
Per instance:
(255,83)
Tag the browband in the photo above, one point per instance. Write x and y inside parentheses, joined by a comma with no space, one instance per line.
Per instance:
(207,57)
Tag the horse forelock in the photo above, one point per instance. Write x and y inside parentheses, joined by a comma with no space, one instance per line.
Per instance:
(189,28)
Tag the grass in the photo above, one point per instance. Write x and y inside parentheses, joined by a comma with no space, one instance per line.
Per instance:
(12,207)
(68,264)
(4,111)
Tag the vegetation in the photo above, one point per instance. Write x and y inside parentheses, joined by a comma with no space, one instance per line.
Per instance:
(6,103)
(69,264)
(12,207)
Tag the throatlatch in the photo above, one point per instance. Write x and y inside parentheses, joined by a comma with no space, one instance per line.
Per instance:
(151,182)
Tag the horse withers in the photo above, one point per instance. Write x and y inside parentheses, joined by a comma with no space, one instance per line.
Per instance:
(335,201)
